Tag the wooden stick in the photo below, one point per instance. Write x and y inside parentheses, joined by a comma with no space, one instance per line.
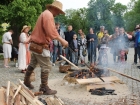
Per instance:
(18,89)
(27,96)
(26,89)
(7,92)
(12,93)
(17,100)
(23,100)
(69,62)
(123,74)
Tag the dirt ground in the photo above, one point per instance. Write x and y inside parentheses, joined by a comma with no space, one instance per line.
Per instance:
(71,94)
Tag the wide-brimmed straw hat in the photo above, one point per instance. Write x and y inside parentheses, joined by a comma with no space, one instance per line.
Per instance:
(58,5)
(24,27)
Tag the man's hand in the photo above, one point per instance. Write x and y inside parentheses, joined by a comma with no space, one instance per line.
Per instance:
(76,50)
(64,43)
(92,39)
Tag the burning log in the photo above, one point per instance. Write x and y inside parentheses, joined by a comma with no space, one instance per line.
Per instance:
(85,73)
(80,75)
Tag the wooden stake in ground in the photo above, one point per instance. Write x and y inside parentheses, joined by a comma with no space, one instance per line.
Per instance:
(123,74)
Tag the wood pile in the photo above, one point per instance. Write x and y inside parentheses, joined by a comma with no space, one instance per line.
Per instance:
(20,95)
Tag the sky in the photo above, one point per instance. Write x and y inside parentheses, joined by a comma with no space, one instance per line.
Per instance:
(75,4)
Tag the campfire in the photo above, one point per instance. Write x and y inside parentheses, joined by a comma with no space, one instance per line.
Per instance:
(86,73)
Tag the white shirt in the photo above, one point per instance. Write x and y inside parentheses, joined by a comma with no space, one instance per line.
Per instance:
(6,37)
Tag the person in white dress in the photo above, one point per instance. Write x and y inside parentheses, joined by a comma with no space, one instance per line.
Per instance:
(24,53)
(7,48)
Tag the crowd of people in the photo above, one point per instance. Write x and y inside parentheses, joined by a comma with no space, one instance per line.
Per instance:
(81,45)
(48,38)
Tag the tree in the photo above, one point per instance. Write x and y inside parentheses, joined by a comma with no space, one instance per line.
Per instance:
(99,13)
(132,16)
(21,12)
(75,17)
(118,12)
(5,2)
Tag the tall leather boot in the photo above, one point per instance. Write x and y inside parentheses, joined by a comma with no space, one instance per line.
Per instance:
(44,85)
(27,81)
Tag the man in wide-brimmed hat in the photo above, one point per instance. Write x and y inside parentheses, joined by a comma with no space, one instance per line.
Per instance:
(44,31)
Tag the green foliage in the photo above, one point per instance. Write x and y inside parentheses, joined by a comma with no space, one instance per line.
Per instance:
(21,12)
(132,16)
(99,13)
(76,18)
(1,34)
(5,2)
(118,12)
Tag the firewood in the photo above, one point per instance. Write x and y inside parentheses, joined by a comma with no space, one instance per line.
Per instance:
(28,97)
(7,92)
(18,89)
(2,97)
(48,101)
(23,100)
(26,89)
(38,102)
(10,101)
(59,100)
(17,100)
(12,94)
(97,80)
(28,103)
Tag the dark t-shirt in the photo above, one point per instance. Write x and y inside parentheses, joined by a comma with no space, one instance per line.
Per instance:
(69,36)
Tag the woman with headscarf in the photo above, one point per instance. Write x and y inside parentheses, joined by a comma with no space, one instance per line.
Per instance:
(24,53)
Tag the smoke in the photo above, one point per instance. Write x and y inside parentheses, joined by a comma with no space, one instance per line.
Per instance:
(118,46)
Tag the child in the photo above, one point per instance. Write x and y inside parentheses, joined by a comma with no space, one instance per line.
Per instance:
(74,47)
(103,59)
(82,48)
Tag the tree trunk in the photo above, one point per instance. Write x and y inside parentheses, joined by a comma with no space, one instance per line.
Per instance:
(15,36)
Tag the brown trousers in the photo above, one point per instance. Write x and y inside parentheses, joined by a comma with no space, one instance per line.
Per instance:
(44,62)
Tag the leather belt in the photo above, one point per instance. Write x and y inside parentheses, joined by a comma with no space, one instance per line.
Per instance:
(46,47)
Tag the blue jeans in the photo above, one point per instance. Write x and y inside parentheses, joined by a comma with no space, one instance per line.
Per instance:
(55,48)
(68,54)
(92,52)
(75,57)
(59,52)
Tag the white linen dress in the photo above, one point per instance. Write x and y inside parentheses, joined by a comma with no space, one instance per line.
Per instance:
(22,65)
(7,48)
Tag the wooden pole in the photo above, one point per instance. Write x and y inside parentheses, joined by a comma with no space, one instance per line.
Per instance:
(69,62)
(123,74)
